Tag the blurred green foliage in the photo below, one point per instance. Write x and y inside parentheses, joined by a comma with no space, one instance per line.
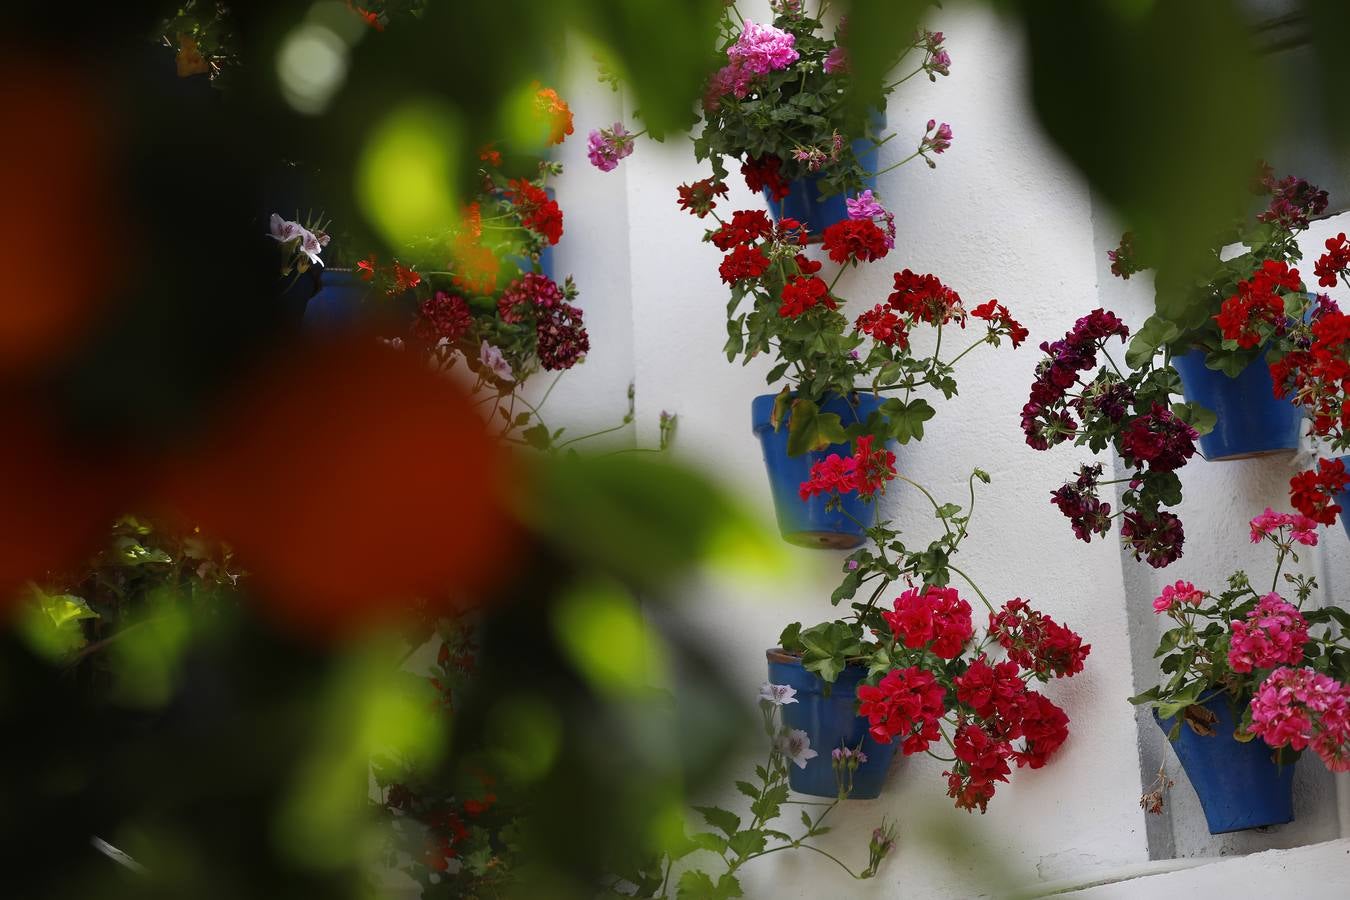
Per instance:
(213,748)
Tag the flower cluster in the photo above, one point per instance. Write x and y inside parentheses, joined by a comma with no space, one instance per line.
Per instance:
(538,211)
(1173,595)
(1271,524)
(989,706)
(1037,642)
(300,244)
(700,198)
(1293,201)
(759,50)
(1313,492)
(931,617)
(866,208)
(1256,311)
(1300,708)
(1131,413)
(561,339)
(1087,513)
(907,704)
(555,113)
(865,472)
(1273,634)
(606,146)
(1047,416)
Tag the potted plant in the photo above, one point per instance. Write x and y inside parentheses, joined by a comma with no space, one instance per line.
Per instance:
(917,675)
(1212,330)
(787,107)
(834,374)
(1249,683)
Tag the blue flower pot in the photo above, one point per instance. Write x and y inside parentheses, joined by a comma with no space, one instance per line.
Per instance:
(1240,785)
(804,202)
(1252,420)
(832,723)
(337,305)
(807,523)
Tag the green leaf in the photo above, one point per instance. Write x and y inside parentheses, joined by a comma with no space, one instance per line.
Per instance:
(748,789)
(1155,333)
(791,637)
(780,408)
(848,587)
(1193,414)
(810,429)
(706,840)
(727,822)
(695,885)
(743,843)
(537,437)
(907,418)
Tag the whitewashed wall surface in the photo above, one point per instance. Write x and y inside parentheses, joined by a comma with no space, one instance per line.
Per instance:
(1002,216)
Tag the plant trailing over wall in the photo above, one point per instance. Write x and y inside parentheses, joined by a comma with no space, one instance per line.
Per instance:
(1287,665)
(931,680)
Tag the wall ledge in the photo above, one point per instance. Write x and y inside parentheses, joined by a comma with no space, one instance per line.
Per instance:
(1314,870)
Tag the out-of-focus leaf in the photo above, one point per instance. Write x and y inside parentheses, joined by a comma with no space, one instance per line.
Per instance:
(878,30)
(640,518)
(665,51)
(1165,107)
(1329,28)
(51,622)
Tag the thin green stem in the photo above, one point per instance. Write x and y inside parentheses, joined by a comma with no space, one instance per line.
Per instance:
(896,165)
(973,585)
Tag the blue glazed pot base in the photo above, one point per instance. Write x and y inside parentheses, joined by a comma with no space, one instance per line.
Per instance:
(807,523)
(1240,785)
(830,722)
(1252,421)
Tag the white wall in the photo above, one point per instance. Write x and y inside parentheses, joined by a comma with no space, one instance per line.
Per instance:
(1002,216)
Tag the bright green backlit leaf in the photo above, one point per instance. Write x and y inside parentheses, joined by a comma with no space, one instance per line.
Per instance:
(372,708)
(51,622)
(405,177)
(602,631)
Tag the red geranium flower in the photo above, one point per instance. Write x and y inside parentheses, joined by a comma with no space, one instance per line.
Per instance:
(935,616)
(855,240)
(537,211)
(803,293)
(700,197)
(743,262)
(1001,321)
(1313,492)
(762,172)
(746,227)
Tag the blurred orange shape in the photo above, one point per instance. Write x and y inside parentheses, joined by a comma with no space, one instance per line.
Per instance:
(56,224)
(351,480)
(58,497)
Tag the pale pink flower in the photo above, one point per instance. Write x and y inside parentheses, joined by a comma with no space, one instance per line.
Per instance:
(796,746)
(777,694)
(493,360)
(1173,594)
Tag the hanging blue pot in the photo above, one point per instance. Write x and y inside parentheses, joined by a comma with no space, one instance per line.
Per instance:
(832,723)
(1252,420)
(337,305)
(1239,784)
(807,523)
(804,202)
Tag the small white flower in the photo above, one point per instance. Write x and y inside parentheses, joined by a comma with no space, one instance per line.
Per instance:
(493,360)
(796,746)
(283,230)
(310,246)
(777,694)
